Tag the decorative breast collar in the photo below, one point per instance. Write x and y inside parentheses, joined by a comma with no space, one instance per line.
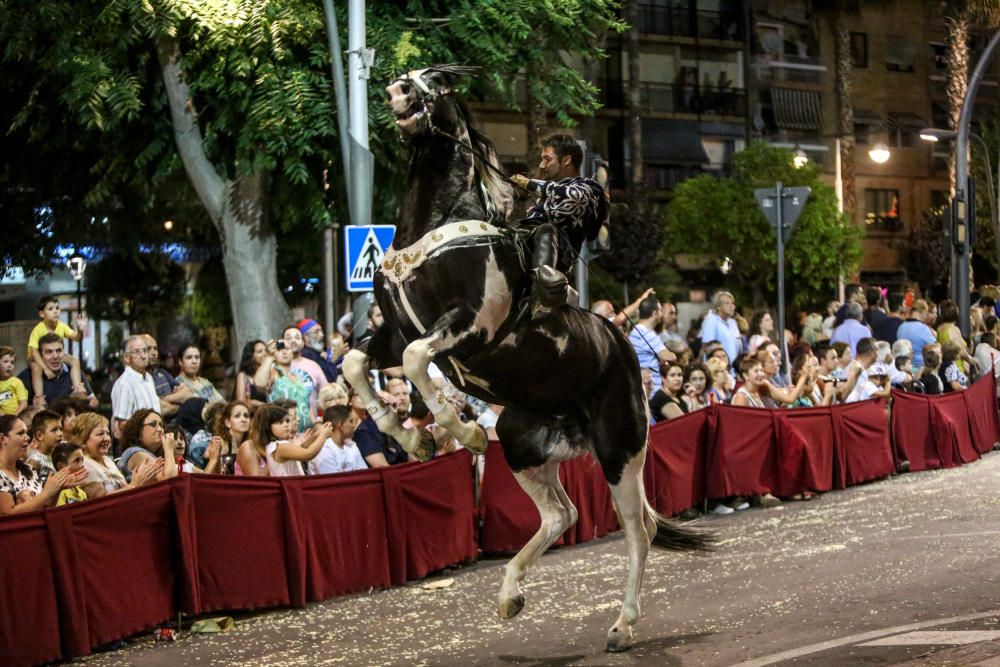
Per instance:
(398,264)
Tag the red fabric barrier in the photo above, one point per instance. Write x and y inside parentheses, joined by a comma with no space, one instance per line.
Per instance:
(240,533)
(586,486)
(430,515)
(124,549)
(676,460)
(805,450)
(343,526)
(742,453)
(862,449)
(984,420)
(912,433)
(30,615)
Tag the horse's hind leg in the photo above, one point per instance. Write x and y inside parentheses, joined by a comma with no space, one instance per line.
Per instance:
(628,494)
(558,514)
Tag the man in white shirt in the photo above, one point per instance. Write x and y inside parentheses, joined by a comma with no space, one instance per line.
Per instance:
(134,389)
(987,354)
(339,453)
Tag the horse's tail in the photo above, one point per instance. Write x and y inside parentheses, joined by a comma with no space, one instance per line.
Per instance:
(674,536)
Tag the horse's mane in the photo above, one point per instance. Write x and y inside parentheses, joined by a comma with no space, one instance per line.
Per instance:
(497,189)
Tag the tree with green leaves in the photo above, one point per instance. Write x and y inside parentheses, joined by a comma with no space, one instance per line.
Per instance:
(236,97)
(721,218)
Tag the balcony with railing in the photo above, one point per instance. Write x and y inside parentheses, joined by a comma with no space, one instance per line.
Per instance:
(790,68)
(685,22)
(668,98)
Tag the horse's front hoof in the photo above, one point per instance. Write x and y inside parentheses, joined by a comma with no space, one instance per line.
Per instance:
(422,448)
(618,641)
(479,442)
(511,607)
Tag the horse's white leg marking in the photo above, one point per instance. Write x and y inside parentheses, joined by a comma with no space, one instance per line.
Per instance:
(558,514)
(355,368)
(416,358)
(632,513)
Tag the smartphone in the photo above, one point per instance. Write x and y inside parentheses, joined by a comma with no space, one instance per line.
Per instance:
(280,345)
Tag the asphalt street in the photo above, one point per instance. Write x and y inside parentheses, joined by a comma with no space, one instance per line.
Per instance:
(901,571)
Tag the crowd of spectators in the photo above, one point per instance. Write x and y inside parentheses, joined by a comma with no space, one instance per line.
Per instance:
(855,351)
(290,412)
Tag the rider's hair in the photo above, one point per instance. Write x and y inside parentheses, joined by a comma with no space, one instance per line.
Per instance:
(564,144)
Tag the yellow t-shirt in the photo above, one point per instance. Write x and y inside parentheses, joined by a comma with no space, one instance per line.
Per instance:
(63,330)
(74,495)
(11,392)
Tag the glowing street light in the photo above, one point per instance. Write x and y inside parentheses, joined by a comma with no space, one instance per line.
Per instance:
(879,153)
(799,158)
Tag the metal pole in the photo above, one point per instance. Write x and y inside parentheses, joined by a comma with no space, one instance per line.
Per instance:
(960,279)
(337,73)
(357,82)
(329,319)
(780,204)
(838,187)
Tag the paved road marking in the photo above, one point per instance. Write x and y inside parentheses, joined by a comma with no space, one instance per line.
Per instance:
(858,638)
(947,637)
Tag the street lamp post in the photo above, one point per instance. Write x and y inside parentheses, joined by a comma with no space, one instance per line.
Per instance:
(77,265)
(961,223)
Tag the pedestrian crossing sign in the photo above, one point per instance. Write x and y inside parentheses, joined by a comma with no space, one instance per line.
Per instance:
(364,248)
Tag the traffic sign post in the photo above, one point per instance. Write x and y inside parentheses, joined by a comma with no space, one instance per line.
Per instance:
(364,248)
(782,207)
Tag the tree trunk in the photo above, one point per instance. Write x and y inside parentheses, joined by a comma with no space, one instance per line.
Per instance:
(536,125)
(845,109)
(958,78)
(237,208)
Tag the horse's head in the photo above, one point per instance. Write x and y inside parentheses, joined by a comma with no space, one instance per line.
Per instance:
(422,99)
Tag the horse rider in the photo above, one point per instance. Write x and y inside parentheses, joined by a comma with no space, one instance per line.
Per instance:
(570,210)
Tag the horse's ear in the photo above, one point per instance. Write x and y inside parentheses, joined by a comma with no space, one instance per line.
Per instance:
(455,72)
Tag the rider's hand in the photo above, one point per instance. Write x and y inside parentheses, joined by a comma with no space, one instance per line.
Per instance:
(520,180)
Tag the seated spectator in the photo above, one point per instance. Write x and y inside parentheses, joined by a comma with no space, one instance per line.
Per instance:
(812,329)
(254,353)
(903,349)
(211,456)
(69,456)
(952,377)
(828,360)
(778,378)
(929,375)
(947,330)
(46,433)
(251,459)
(761,330)
(233,427)
(488,418)
(285,450)
(21,489)
(134,388)
(13,393)
(852,329)
(916,330)
(668,401)
(399,398)
(314,348)
(885,364)
(201,440)
(805,369)
(68,408)
(170,391)
(57,381)
(91,432)
(751,392)
(379,449)
(844,359)
(145,440)
(987,354)
(189,377)
(771,393)
(339,453)
(721,388)
(277,376)
(331,395)
(696,387)
(864,379)
(682,353)
(52,326)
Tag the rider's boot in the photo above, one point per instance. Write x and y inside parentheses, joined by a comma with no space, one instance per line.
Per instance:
(551,286)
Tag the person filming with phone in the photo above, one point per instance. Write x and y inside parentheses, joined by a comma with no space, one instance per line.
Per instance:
(280,379)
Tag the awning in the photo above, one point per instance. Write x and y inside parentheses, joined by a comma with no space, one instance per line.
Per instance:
(672,142)
(867,117)
(905,120)
(723,130)
(796,109)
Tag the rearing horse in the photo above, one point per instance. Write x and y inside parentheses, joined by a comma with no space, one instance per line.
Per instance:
(449,289)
